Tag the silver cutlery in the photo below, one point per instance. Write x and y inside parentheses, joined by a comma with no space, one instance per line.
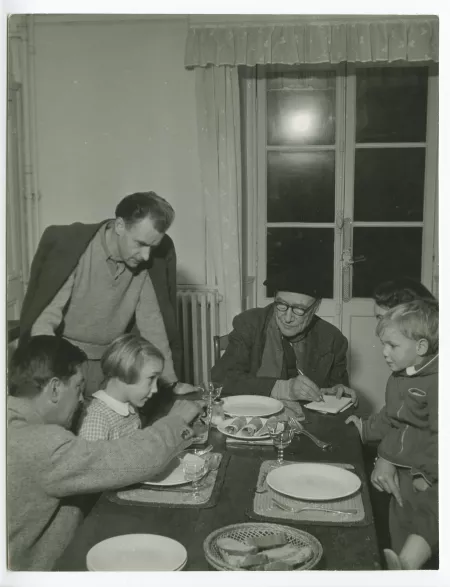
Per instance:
(287,508)
(299,429)
(202,451)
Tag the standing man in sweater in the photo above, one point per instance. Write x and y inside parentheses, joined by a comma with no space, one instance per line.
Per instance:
(49,468)
(90,282)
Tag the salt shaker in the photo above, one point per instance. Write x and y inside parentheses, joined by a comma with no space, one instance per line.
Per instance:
(217,414)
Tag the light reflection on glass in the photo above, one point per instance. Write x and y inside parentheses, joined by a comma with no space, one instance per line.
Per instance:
(301,125)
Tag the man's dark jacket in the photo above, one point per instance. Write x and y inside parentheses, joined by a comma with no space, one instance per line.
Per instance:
(325,360)
(57,256)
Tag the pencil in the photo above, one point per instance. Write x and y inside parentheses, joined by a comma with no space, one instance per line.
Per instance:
(300,372)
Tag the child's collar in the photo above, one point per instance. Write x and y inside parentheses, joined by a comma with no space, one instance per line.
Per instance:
(415,369)
(121,408)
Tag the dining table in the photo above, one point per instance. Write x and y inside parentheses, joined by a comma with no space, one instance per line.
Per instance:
(345,546)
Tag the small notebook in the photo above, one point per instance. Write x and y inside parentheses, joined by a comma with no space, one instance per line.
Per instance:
(330,405)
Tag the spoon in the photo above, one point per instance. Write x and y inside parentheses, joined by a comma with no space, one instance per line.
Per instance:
(299,428)
(202,451)
(287,508)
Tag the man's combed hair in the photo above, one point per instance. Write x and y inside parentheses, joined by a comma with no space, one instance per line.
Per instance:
(415,320)
(400,291)
(37,361)
(125,357)
(141,205)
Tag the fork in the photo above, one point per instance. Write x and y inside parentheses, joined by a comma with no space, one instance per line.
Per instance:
(287,508)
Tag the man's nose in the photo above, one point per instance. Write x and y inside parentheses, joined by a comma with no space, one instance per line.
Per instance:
(145,254)
(288,315)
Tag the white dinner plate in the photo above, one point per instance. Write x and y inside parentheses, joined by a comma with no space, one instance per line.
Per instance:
(221,428)
(137,552)
(313,481)
(173,474)
(251,405)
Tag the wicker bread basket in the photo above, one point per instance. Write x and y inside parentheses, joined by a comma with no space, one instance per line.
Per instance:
(243,531)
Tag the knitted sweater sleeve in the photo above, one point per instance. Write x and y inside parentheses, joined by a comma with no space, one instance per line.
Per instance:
(77,466)
(51,317)
(150,323)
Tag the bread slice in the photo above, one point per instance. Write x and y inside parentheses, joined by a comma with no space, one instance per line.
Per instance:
(253,559)
(232,559)
(278,566)
(232,546)
(271,541)
(281,552)
(302,555)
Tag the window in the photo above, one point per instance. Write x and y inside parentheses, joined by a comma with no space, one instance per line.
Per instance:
(346,175)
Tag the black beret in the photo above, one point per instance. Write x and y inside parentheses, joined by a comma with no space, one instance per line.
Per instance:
(300,279)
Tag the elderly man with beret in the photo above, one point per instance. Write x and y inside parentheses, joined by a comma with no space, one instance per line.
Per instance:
(285,350)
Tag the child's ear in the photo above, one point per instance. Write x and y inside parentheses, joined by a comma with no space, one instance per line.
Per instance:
(422,347)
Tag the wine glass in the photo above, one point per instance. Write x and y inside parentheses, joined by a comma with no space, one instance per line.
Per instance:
(282,434)
(193,471)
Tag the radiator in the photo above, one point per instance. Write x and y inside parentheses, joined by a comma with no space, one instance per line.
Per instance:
(198,323)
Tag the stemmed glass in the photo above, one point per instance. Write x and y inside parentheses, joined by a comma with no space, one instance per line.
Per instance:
(194,471)
(210,391)
(282,434)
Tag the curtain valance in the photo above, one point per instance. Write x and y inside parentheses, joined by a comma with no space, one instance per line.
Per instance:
(364,40)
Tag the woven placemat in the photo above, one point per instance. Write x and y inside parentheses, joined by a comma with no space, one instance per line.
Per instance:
(176,497)
(264,508)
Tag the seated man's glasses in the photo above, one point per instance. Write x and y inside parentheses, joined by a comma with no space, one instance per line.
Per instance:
(282,307)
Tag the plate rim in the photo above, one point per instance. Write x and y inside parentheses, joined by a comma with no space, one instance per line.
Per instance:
(263,437)
(172,484)
(264,397)
(345,471)
(140,535)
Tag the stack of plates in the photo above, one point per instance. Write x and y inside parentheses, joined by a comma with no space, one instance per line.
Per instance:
(137,552)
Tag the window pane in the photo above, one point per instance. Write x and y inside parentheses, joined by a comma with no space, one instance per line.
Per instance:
(300,187)
(389,184)
(311,245)
(391,105)
(389,253)
(301,108)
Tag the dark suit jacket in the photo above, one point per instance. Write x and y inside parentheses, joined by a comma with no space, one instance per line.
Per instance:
(57,255)
(325,361)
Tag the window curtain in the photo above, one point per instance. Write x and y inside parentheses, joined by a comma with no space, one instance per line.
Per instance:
(218,119)
(215,51)
(363,40)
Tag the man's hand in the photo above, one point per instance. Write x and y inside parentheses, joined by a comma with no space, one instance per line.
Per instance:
(339,390)
(187,410)
(385,478)
(420,484)
(302,388)
(357,422)
(184,388)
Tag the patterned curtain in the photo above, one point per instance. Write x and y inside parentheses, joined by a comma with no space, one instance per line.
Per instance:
(365,40)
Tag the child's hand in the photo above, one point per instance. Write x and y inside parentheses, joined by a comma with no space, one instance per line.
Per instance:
(385,478)
(357,422)
(420,484)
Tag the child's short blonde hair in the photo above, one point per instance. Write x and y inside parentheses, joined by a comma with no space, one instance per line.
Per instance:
(415,320)
(125,356)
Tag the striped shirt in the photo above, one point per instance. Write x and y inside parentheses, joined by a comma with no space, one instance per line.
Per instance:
(106,418)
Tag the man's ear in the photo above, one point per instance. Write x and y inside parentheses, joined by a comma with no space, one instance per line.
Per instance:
(119,226)
(422,347)
(53,390)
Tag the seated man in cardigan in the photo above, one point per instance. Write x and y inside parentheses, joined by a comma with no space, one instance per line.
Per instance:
(50,470)
(90,282)
(284,350)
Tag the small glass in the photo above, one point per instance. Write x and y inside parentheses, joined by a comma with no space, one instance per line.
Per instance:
(282,434)
(193,472)
(210,392)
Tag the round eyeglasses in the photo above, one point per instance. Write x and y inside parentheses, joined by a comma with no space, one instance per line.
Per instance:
(282,307)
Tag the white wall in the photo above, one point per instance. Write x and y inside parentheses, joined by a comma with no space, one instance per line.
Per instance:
(116,114)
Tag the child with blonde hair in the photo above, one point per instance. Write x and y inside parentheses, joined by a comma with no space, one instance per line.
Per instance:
(407,428)
(131,366)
